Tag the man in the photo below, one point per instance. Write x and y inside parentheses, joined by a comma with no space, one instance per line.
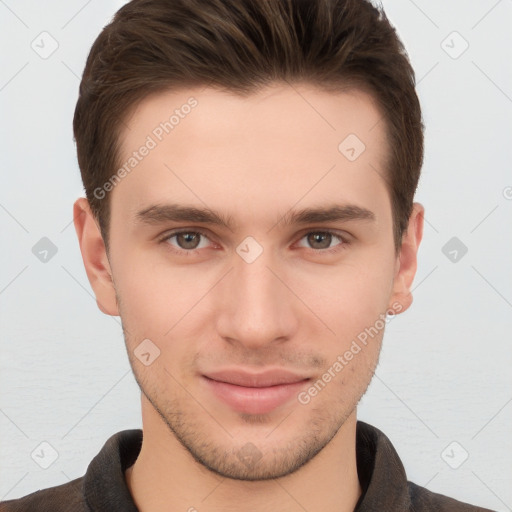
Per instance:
(250,168)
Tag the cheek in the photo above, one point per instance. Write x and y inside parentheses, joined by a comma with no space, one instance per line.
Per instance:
(154,296)
(348,298)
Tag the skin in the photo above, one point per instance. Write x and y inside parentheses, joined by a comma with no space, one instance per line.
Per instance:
(295,307)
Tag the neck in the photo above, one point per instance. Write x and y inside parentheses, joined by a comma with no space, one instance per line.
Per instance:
(166,477)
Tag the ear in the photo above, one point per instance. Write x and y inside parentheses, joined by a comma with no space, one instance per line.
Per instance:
(95,258)
(406,263)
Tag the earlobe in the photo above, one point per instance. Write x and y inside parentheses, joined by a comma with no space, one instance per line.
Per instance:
(94,256)
(408,262)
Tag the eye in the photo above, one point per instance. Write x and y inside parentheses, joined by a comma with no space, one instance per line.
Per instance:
(321,241)
(186,241)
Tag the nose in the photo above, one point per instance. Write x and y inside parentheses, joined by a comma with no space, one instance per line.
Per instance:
(256,308)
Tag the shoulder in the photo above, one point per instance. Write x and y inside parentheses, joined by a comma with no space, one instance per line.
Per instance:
(423,500)
(384,479)
(103,486)
(66,497)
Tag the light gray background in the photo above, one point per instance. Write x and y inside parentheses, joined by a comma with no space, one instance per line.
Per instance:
(444,374)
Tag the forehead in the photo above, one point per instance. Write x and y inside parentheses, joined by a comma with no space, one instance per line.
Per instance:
(319,113)
(282,144)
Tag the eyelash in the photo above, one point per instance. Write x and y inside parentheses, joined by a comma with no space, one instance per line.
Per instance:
(335,249)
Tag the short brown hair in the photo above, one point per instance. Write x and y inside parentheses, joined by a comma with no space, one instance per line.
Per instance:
(241,46)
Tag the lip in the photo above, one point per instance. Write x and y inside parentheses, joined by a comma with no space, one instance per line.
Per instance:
(247,379)
(254,393)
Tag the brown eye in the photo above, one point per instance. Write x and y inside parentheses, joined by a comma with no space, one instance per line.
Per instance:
(187,240)
(319,240)
(323,241)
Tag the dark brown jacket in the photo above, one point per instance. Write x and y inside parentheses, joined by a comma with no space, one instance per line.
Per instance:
(103,487)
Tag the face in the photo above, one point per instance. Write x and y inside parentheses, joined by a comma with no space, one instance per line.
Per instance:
(251,247)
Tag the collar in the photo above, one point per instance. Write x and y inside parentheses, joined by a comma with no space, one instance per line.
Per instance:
(381,473)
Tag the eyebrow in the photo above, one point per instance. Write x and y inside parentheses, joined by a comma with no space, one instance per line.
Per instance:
(158,214)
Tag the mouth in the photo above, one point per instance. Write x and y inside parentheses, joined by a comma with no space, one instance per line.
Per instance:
(254,393)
